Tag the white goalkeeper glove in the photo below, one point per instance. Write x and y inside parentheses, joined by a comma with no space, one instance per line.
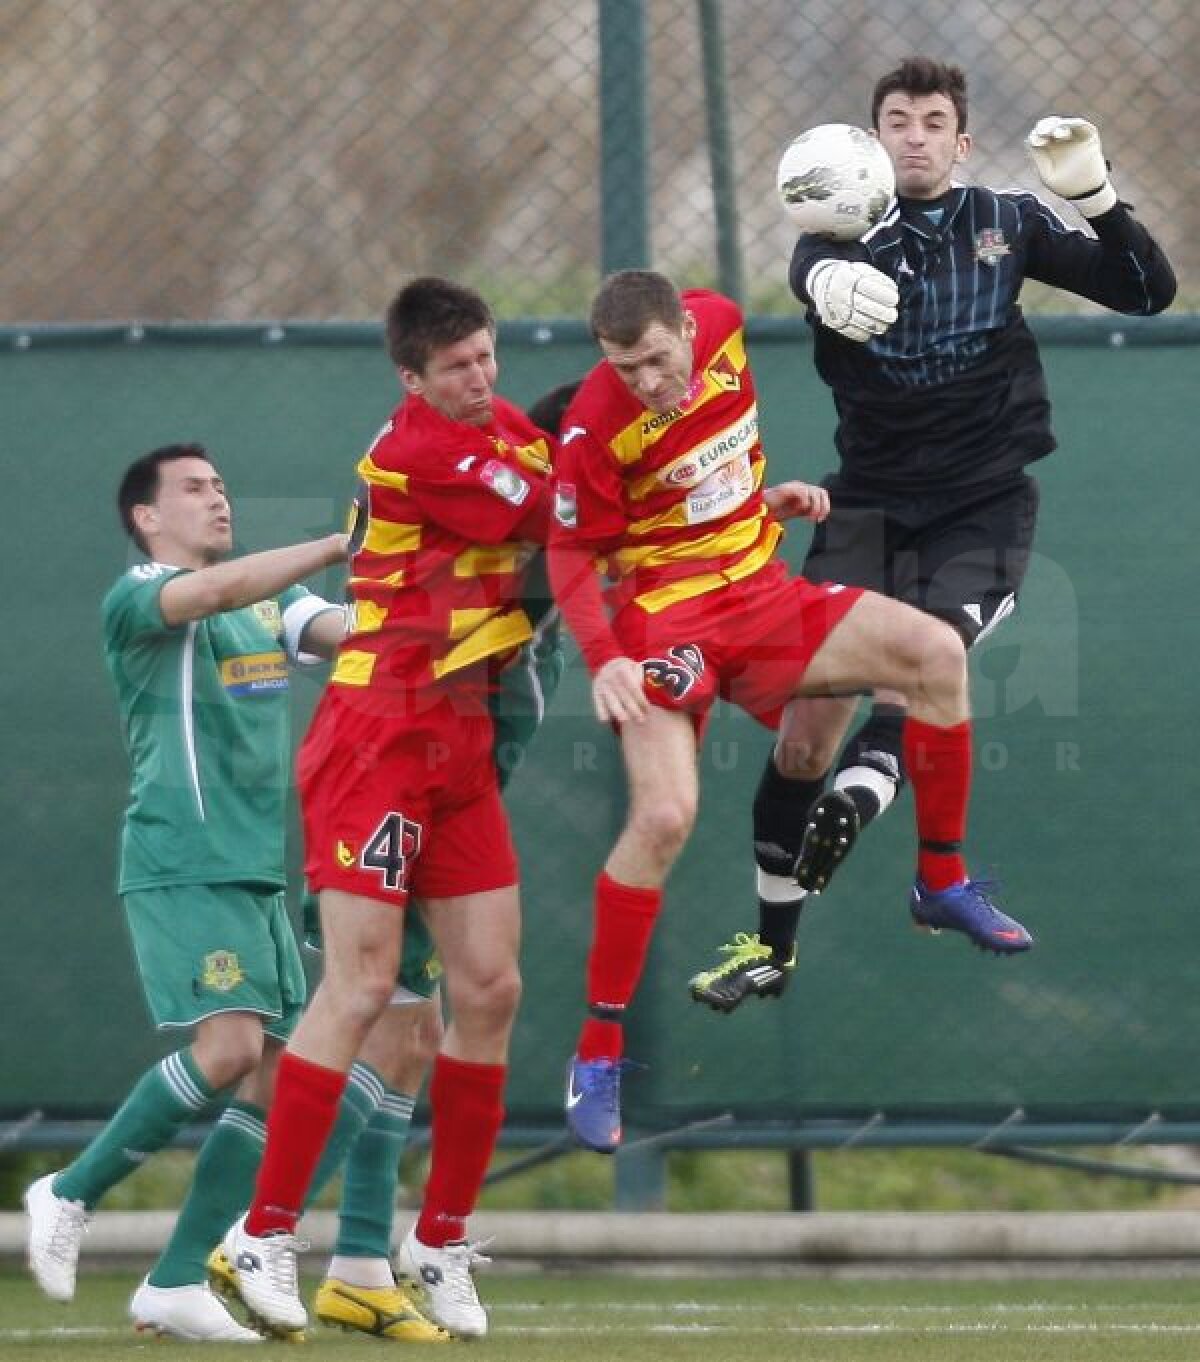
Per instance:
(1069,159)
(852,298)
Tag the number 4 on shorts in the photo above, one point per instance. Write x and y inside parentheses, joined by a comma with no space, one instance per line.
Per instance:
(392,845)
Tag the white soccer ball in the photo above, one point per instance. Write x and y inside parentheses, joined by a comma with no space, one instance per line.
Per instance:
(835,180)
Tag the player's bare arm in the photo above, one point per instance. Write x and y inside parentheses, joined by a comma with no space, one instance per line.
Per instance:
(324,632)
(242,581)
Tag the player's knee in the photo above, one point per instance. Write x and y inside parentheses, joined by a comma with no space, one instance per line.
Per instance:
(488,1000)
(367,1002)
(352,1006)
(665,824)
(229,1057)
(943,659)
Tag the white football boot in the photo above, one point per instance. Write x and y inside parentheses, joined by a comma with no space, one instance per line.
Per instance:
(190,1312)
(443,1276)
(266,1275)
(56,1230)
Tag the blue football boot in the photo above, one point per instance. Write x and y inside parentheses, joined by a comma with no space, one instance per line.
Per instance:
(593,1102)
(966,907)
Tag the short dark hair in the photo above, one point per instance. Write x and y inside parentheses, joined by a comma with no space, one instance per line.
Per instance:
(630,301)
(923,76)
(139,483)
(429,313)
(549,409)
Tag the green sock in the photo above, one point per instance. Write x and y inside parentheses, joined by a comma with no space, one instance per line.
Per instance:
(163,1100)
(364,1092)
(223,1183)
(371,1180)
(222,1187)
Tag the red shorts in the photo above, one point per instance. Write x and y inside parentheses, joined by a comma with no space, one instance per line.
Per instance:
(395,806)
(750,642)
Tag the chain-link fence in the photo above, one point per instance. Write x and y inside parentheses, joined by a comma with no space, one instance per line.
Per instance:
(300,158)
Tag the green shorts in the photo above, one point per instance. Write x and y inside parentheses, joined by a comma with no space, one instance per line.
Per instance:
(420,968)
(208,948)
(523,691)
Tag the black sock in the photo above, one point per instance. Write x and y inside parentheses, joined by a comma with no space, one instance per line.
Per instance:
(778,924)
(780,808)
(877,746)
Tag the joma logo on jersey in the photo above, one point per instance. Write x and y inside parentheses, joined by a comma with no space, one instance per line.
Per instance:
(664,418)
(146,572)
(698,463)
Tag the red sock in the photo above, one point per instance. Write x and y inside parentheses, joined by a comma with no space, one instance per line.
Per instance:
(938,762)
(622,928)
(466,1106)
(302,1114)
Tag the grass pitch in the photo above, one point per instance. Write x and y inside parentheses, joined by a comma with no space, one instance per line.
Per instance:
(630,1319)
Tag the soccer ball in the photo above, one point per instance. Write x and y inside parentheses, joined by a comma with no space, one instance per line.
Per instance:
(835,180)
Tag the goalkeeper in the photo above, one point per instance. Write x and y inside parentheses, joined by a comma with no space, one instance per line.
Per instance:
(941,403)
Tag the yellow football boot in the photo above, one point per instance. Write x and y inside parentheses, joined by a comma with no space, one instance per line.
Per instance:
(386,1312)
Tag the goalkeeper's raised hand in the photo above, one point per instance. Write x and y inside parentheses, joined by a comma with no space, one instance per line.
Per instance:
(852,298)
(1069,159)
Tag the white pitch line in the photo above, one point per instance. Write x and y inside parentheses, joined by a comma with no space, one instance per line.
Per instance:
(801,1307)
(62,1331)
(881,1330)
(864,1330)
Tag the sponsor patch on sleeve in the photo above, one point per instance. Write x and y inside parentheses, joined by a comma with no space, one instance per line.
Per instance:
(565,511)
(506,482)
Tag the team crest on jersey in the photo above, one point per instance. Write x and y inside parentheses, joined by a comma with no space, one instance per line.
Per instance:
(267,614)
(724,375)
(565,507)
(222,971)
(990,246)
(676,673)
(506,482)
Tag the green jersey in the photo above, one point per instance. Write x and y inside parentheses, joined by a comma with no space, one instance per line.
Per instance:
(205,715)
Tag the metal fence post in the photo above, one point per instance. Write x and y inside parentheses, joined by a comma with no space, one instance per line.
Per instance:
(640,1177)
(624,174)
(720,151)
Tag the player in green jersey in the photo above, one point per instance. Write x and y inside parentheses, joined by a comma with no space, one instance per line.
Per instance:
(198,649)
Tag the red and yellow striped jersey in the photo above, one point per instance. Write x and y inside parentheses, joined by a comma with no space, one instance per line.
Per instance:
(435,568)
(672,502)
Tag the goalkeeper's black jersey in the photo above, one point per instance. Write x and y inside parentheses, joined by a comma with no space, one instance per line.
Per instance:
(953,394)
